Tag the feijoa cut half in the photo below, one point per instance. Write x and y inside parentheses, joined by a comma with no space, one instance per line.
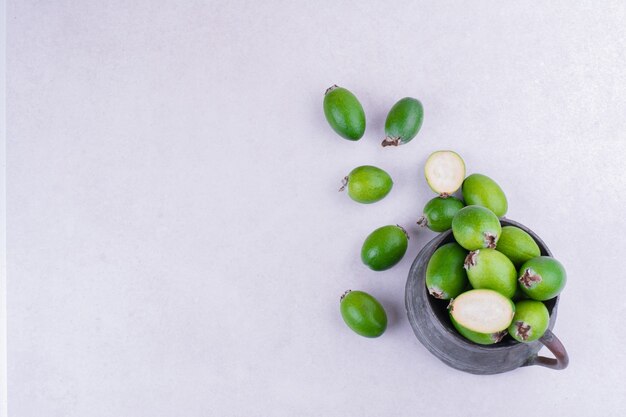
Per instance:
(367,184)
(445,275)
(344,113)
(403,122)
(482,311)
(542,278)
(517,245)
(439,212)
(530,321)
(384,247)
(481,190)
(476,337)
(363,313)
(488,268)
(476,227)
(444,171)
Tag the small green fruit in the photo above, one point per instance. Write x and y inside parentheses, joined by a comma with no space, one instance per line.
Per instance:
(445,276)
(384,247)
(438,213)
(481,190)
(488,268)
(480,338)
(542,278)
(367,184)
(363,313)
(517,245)
(344,113)
(403,122)
(476,227)
(481,315)
(530,321)
(444,172)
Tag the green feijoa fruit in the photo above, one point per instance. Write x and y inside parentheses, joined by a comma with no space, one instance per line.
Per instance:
(517,245)
(445,276)
(438,213)
(384,247)
(344,113)
(530,321)
(481,190)
(476,337)
(482,311)
(403,122)
(444,172)
(363,313)
(542,278)
(367,184)
(488,268)
(476,227)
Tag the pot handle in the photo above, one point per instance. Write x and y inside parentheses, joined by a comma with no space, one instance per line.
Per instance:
(561,359)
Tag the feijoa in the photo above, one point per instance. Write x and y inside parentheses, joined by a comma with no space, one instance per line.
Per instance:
(476,227)
(476,337)
(517,245)
(363,313)
(367,184)
(482,311)
(530,321)
(444,171)
(438,213)
(403,122)
(481,190)
(344,113)
(488,268)
(542,278)
(445,276)
(384,247)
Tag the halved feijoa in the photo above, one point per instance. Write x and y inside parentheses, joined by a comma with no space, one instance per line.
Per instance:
(367,184)
(476,337)
(542,278)
(445,276)
(438,213)
(517,245)
(530,321)
(482,311)
(344,113)
(476,227)
(363,313)
(488,268)
(481,190)
(444,171)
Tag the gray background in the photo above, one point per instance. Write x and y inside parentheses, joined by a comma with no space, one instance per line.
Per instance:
(176,243)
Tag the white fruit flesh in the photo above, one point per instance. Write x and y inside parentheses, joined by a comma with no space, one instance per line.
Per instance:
(445,172)
(483,311)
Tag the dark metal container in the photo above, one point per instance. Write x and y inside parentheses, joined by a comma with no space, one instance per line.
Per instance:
(431,324)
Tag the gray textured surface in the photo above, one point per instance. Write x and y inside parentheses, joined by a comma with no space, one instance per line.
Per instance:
(429,320)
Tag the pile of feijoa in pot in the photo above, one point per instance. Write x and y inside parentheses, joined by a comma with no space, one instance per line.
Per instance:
(494,276)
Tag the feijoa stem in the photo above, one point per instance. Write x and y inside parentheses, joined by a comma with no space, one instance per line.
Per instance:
(391,141)
(490,240)
(331,88)
(422,221)
(344,183)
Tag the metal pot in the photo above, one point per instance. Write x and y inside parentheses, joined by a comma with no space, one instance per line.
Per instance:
(431,324)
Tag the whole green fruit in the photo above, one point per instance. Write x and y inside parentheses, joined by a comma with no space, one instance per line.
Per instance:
(445,276)
(367,184)
(476,227)
(363,313)
(542,278)
(481,190)
(403,122)
(488,268)
(438,213)
(344,113)
(530,321)
(517,245)
(384,247)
